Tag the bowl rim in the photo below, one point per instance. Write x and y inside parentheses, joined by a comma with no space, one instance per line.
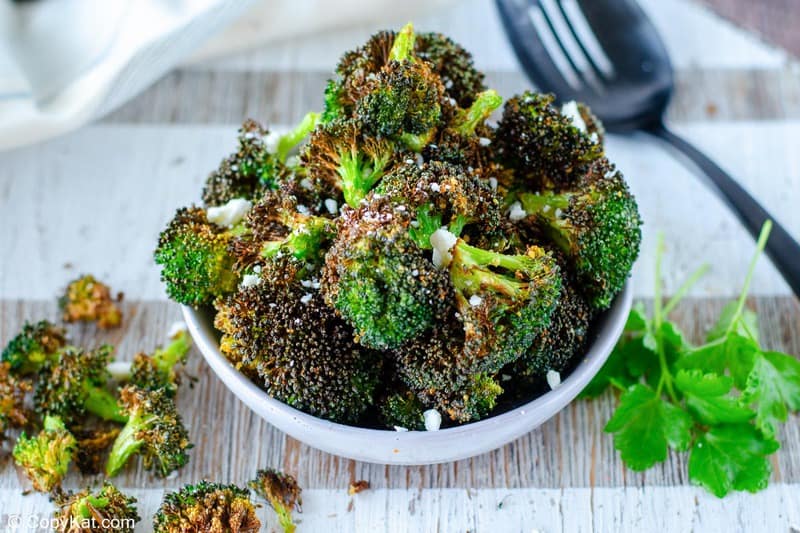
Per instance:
(295,422)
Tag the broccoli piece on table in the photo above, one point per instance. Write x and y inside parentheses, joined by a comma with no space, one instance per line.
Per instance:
(36,344)
(45,457)
(196,265)
(105,510)
(13,389)
(74,384)
(546,146)
(207,507)
(596,224)
(281,329)
(154,430)
(281,491)
(93,443)
(158,370)
(89,300)
(379,280)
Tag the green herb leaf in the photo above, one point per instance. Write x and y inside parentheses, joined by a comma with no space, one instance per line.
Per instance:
(708,398)
(746,325)
(644,425)
(734,352)
(731,457)
(774,386)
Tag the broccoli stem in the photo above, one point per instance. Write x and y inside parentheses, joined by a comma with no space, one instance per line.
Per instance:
(470,270)
(97,503)
(547,207)
(126,444)
(285,519)
(289,140)
(403,44)
(357,177)
(165,359)
(102,403)
(416,143)
(483,106)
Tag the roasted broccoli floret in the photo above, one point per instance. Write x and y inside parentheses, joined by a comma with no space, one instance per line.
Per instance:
(13,413)
(154,430)
(37,343)
(93,443)
(207,507)
(462,81)
(196,265)
(379,280)
(106,510)
(281,329)
(341,156)
(74,384)
(89,300)
(402,409)
(45,458)
(545,145)
(281,491)
(157,370)
(596,224)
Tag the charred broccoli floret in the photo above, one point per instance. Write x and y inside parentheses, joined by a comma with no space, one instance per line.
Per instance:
(93,443)
(195,263)
(154,430)
(36,344)
(12,400)
(106,510)
(304,355)
(89,300)
(281,491)
(208,507)
(462,81)
(545,145)
(596,224)
(74,384)
(45,458)
(158,370)
(379,280)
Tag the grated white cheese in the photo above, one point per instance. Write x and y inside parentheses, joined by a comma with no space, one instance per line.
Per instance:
(306,184)
(493,183)
(571,111)
(271,141)
(119,370)
(332,206)
(484,141)
(400,429)
(435,187)
(292,161)
(442,241)
(553,379)
(516,213)
(433,420)
(475,300)
(250,280)
(594,137)
(177,327)
(229,214)
(306,298)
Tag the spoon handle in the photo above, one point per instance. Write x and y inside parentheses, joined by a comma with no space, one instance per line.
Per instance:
(781,246)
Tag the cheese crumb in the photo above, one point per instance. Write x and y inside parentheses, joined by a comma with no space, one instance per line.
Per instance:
(571,111)
(306,184)
(229,214)
(442,241)
(306,298)
(332,206)
(119,370)
(475,300)
(553,379)
(493,183)
(292,161)
(516,213)
(271,141)
(250,280)
(400,429)
(178,327)
(433,420)
(434,187)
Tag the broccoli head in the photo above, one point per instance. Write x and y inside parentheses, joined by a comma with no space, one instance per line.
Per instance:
(107,509)
(75,384)
(545,145)
(12,400)
(280,328)
(402,409)
(379,280)
(208,507)
(281,491)
(248,173)
(196,265)
(45,458)
(462,81)
(36,344)
(158,370)
(89,300)
(154,430)
(596,224)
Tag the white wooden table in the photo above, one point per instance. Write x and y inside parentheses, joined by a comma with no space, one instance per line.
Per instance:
(95,200)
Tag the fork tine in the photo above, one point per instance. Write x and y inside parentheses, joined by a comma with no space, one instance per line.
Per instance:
(584,36)
(549,40)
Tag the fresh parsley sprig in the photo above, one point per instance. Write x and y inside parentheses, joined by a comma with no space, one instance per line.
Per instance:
(722,401)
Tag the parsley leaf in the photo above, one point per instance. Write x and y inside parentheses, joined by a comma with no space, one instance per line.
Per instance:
(708,398)
(732,351)
(644,425)
(774,386)
(731,457)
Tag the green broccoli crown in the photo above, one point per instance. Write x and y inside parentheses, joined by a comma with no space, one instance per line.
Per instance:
(597,226)
(454,65)
(195,263)
(207,506)
(281,491)
(379,280)
(343,157)
(156,371)
(45,458)
(13,412)
(154,430)
(107,505)
(303,353)
(32,347)
(74,384)
(402,409)
(542,144)
(248,173)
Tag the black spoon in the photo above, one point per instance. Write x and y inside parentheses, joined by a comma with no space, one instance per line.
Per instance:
(607,54)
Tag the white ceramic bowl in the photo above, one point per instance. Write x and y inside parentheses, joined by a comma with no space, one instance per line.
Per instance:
(412,447)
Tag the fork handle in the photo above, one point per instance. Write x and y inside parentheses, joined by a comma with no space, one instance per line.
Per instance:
(781,246)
